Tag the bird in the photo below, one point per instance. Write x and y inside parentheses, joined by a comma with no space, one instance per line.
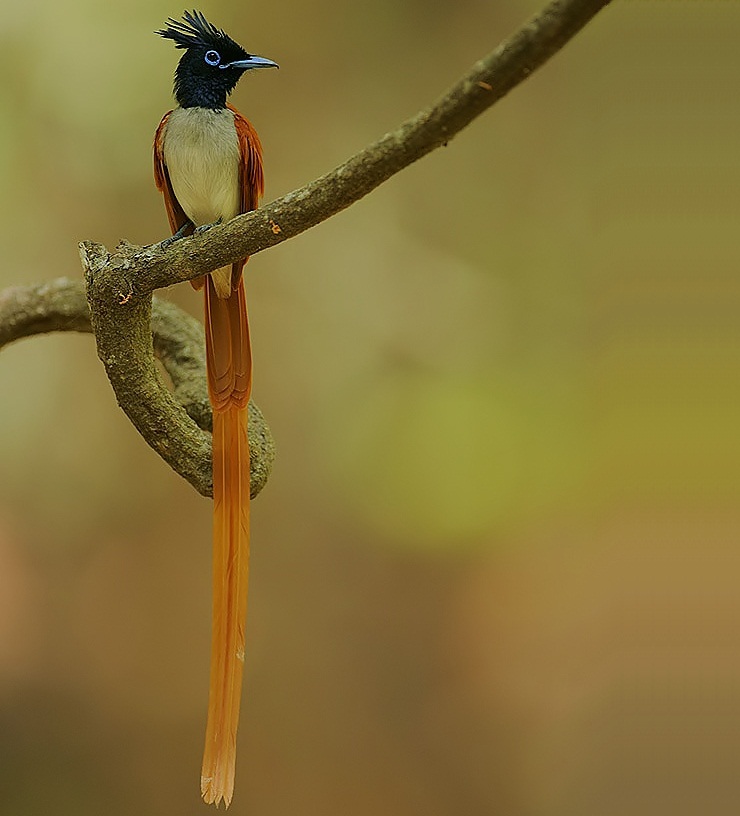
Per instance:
(208,166)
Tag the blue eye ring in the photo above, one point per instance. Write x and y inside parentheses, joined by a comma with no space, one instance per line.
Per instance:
(212,58)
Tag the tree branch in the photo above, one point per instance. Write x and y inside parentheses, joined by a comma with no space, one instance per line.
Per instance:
(119,284)
(145,269)
(61,305)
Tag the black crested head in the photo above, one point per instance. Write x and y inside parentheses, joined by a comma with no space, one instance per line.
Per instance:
(212,63)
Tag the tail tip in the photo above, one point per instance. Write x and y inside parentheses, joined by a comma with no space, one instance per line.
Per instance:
(212,795)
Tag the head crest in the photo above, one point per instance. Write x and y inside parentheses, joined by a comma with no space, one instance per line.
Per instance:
(195,31)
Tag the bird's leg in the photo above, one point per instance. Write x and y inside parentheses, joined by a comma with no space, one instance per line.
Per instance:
(188,228)
(205,227)
(181,233)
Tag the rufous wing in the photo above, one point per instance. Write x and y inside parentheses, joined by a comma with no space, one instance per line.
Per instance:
(175,213)
(251,176)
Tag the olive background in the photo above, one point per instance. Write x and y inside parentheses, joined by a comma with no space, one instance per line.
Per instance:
(496,568)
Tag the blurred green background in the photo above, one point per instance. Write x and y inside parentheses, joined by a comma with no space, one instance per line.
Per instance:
(495,569)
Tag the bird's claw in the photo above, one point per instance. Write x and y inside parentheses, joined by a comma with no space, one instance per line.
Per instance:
(205,227)
(181,233)
(167,243)
(186,229)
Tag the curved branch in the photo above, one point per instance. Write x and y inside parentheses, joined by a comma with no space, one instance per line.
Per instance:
(145,269)
(119,284)
(61,305)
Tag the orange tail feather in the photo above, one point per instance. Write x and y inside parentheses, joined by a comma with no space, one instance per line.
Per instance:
(229,379)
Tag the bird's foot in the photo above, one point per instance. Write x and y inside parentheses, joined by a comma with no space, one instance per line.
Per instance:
(205,227)
(181,233)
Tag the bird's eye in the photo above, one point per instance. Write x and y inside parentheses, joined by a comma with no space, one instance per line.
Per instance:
(213,57)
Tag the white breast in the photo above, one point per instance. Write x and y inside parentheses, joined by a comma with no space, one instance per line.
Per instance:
(201,150)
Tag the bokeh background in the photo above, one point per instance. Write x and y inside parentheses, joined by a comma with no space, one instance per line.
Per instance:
(496,567)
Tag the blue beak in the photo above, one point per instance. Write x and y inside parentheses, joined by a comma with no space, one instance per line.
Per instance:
(251,62)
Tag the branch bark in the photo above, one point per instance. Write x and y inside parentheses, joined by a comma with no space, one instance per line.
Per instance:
(61,305)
